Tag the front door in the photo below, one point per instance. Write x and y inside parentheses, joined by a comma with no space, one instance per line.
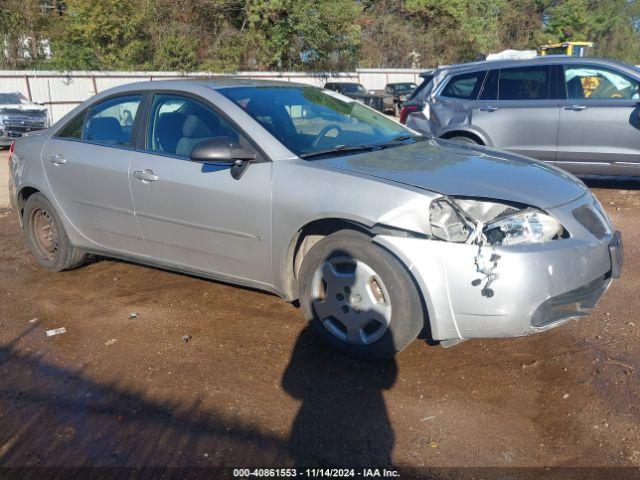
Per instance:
(197,215)
(87,166)
(518,111)
(599,126)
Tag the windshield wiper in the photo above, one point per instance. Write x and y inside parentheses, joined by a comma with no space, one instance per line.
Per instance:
(340,149)
(394,142)
(402,138)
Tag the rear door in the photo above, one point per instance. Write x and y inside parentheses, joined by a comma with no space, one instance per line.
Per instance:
(518,110)
(599,125)
(198,215)
(87,165)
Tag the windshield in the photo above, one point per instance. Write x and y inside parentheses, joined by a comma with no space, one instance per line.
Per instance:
(404,87)
(13,99)
(353,88)
(308,120)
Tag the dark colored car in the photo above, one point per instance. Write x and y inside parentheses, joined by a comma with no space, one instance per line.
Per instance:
(358,92)
(397,94)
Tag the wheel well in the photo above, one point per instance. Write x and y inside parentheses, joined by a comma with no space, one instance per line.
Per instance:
(307,237)
(463,133)
(24,194)
(312,233)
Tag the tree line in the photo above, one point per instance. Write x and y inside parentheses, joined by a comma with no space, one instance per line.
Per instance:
(308,35)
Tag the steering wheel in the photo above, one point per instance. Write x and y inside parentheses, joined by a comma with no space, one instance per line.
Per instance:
(324,131)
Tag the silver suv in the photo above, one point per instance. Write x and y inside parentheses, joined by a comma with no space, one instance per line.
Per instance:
(578,113)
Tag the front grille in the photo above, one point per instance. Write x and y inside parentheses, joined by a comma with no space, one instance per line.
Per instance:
(591,221)
(16,126)
(23,128)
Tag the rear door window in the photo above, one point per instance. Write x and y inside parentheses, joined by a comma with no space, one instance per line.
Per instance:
(465,86)
(525,83)
(111,122)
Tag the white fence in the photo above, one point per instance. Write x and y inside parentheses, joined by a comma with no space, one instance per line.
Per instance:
(62,91)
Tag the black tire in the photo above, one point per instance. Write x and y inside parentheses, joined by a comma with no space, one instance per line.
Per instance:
(58,254)
(407,313)
(461,139)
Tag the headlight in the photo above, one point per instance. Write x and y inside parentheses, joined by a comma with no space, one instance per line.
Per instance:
(531,226)
(475,221)
(3,118)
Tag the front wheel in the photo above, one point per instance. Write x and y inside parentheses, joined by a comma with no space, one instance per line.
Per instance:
(358,297)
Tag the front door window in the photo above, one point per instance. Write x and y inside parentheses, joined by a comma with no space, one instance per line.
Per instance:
(597,83)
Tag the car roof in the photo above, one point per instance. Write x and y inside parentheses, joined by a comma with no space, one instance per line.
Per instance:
(541,60)
(216,83)
(226,82)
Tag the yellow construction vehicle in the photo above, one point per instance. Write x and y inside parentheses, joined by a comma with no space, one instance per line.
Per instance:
(574,49)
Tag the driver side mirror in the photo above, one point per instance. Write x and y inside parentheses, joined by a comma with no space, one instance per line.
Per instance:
(223,151)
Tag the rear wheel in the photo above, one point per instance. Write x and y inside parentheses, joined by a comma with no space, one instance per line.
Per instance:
(358,297)
(46,237)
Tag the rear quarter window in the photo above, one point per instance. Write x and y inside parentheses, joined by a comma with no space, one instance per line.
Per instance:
(465,86)
(419,92)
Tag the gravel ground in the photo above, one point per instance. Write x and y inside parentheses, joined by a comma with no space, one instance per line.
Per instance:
(252,387)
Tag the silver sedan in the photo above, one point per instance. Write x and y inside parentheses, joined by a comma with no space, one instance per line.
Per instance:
(380,233)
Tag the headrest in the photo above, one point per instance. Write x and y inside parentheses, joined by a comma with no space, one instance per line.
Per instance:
(260,106)
(104,128)
(195,126)
(170,120)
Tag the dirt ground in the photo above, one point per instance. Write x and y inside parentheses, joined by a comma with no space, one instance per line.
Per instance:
(253,388)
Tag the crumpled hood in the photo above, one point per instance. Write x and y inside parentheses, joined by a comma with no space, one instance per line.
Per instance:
(470,171)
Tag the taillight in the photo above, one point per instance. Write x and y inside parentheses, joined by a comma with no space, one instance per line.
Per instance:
(406,110)
(11,148)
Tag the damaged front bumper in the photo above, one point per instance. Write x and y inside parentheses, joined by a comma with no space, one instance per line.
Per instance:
(537,286)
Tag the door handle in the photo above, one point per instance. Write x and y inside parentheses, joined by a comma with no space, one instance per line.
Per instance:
(145,175)
(489,109)
(58,159)
(575,108)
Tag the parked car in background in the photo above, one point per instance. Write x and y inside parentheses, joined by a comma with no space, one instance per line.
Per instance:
(581,114)
(397,94)
(380,233)
(18,116)
(379,101)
